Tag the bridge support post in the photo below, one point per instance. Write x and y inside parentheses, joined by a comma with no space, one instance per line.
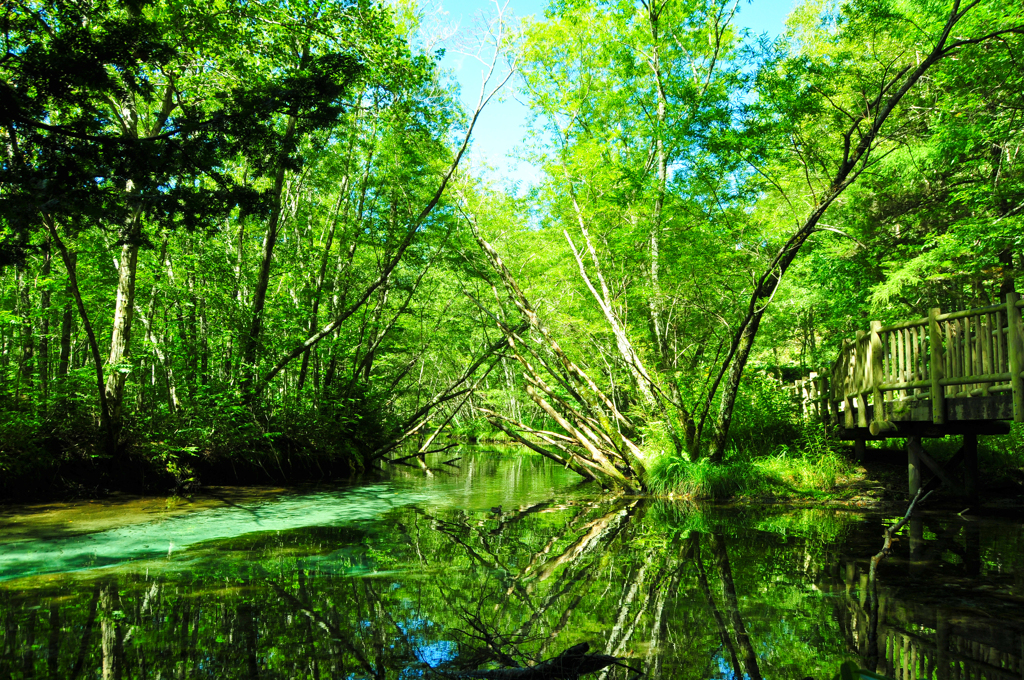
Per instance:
(970,447)
(914,464)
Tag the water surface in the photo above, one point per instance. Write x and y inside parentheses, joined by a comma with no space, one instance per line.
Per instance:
(505,559)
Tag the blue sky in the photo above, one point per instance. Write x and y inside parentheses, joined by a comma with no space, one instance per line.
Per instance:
(503,124)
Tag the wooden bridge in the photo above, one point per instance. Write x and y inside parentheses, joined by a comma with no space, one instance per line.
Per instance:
(944,374)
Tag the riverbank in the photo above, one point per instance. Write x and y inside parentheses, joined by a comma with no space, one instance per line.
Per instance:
(798,478)
(162,470)
(832,478)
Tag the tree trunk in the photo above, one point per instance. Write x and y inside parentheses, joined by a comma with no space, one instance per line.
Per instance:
(84,643)
(251,342)
(27,354)
(158,343)
(124,310)
(723,630)
(321,276)
(53,644)
(44,326)
(66,325)
(106,424)
(654,303)
(192,335)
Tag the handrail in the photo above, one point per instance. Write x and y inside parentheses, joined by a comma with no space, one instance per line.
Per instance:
(965,353)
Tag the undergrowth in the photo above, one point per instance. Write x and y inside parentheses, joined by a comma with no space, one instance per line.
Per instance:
(810,466)
(60,452)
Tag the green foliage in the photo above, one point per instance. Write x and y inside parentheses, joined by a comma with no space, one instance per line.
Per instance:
(802,462)
(1002,458)
(765,420)
(324,296)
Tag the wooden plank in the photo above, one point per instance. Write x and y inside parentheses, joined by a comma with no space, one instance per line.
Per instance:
(999,336)
(996,406)
(987,365)
(954,350)
(979,349)
(970,312)
(988,378)
(893,359)
(919,428)
(860,379)
(906,385)
(906,324)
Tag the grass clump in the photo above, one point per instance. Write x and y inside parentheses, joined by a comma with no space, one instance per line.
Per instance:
(808,467)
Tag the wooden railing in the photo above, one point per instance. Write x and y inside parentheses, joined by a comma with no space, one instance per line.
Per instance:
(889,369)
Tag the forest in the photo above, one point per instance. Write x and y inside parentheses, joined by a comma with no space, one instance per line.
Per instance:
(246,241)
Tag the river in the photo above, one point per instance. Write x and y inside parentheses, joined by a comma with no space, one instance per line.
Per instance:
(500,558)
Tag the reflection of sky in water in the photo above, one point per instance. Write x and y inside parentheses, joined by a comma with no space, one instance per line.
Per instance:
(164,537)
(426,649)
(725,669)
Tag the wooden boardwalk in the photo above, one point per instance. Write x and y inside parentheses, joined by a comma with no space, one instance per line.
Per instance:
(958,373)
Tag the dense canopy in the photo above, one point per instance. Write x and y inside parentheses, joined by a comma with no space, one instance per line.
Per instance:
(247,240)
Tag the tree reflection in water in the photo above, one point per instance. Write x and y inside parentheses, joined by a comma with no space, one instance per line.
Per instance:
(684,594)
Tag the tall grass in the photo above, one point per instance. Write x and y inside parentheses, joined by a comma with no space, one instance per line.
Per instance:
(782,474)
(769,452)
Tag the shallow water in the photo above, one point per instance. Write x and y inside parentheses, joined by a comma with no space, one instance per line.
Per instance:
(503,559)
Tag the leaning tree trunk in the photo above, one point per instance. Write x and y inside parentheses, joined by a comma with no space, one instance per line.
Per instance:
(858,143)
(732,602)
(69,258)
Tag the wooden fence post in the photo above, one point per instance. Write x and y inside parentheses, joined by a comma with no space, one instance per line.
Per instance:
(848,377)
(1015,348)
(935,371)
(823,394)
(813,398)
(860,377)
(876,353)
